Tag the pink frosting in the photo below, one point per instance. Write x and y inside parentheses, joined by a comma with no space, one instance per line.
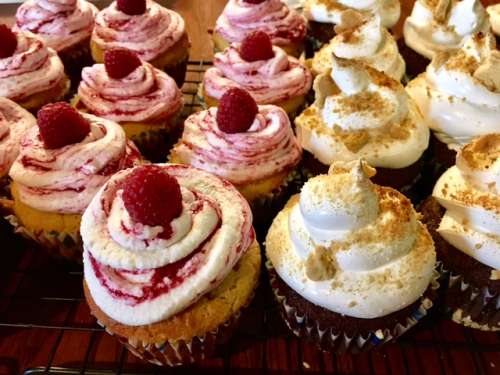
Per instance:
(149,34)
(268,81)
(145,94)
(61,23)
(283,25)
(267,148)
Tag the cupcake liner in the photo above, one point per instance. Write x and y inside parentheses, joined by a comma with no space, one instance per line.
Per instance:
(75,58)
(178,71)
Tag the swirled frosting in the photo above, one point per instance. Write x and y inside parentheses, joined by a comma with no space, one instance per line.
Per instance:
(32,68)
(149,34)
(494,14)
(268,147)
(61,23)
(470,192)
(268,81)
(459,94)
(14,123)
(283,25)
(146,94)
(350,246)
(65,180)
(362,113)
(366,41)
(443,25)
(330,11)
(138,277)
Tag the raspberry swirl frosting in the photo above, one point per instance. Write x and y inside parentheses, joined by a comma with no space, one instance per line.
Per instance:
(268,147)
(146,94)
(283,25)
(61,23)
(32,68)
(268,81)
(149,34)
(65,180)
(135,275)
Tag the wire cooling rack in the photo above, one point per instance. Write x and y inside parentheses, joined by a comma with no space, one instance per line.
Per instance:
(46,327)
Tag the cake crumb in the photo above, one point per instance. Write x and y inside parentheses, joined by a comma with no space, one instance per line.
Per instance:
(495,275)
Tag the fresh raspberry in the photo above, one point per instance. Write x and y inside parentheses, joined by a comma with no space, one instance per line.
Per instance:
(131,7)
(256,46)
(152,197)
(254,1)
(120,63)
(237,111)
(61,125)
(8,42)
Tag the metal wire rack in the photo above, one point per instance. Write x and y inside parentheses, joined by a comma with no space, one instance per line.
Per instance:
(46,327)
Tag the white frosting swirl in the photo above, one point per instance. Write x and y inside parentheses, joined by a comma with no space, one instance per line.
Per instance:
(494,14)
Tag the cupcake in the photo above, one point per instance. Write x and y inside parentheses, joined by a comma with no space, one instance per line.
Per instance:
(494,14)
(251,146)
(170,261)
(157,34)
(350,264)
(61,164)
(144,100)
(361,38)
(463,218)
(323,15)
(360,112)
(65,26)
(31,74)
(285,26)
(265,72)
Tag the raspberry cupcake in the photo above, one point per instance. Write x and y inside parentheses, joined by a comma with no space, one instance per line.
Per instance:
(31,74)
(156,34)
(265,72)
(170,261)
(286,28)
(360,112)
(62,163)
(350,264)
(144,100)
(463,218)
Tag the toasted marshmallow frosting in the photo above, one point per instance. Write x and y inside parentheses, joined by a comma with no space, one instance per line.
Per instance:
(330,11)
(14,123)
(65,180)
(32,68)
(350,246)
(283,25)
(61,23)
(494,14)
(459,94)
(470,192)
(267,148)
(149,34)
(443,25)
(138,277)
(268,81)
(362,113)
(362,38)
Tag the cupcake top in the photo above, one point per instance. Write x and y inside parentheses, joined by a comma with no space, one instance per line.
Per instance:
(330,11)
(470,192)
(494,14)
(61,23)
(239,18)
(363,38)
(30,67)
(144,260)
(127,89)
(443,25)
(149,33)
(350,246)
(459,94)
(14,122)
(362,113)
(66,158)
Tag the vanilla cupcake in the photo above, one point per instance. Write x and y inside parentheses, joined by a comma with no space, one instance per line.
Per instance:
(463,217)
(170,261)
(494,14)
(350,264)
(362,38)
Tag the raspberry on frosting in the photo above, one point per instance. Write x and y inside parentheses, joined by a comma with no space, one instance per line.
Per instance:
(131,7)
(237,111)
(256,46)
(119,63)
(8,42)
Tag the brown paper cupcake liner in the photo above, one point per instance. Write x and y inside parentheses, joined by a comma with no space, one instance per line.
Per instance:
(178,71)
(76,58)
